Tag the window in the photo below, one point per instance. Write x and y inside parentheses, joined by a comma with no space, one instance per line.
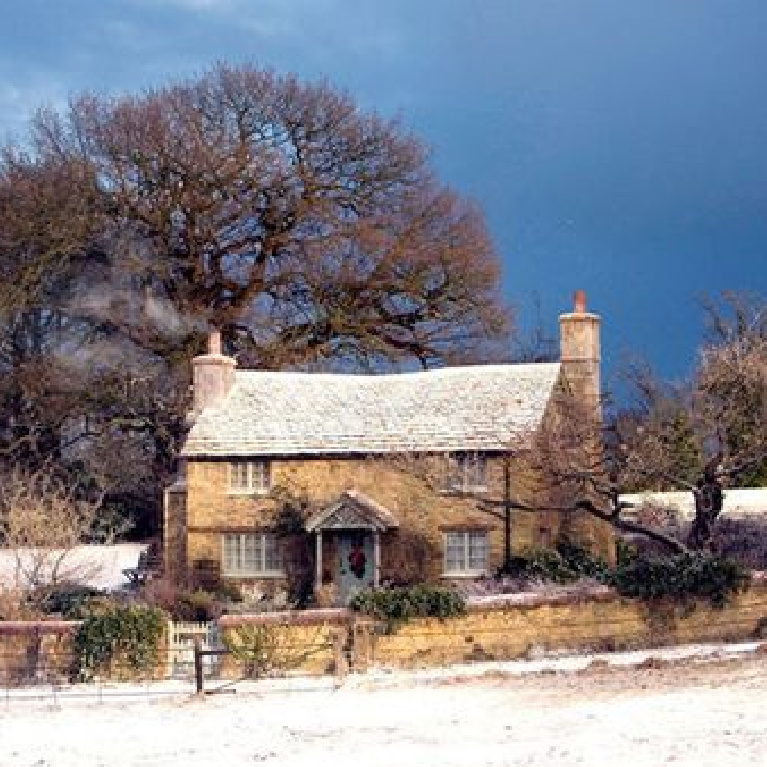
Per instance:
(251,554)
(466,473)
(466,552)
(249,477)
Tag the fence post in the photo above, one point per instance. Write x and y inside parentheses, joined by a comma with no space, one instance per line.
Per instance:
(198,677)
(340,659)
(361,644)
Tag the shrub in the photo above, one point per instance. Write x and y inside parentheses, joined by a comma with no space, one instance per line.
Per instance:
(399,603)
(71,601)
(582,562)
(680,578)
(126,639)
(545,565)
(185,605)
(626,551)
(565,564)
(228,592)
(199,605)
(265,649)
(744,540)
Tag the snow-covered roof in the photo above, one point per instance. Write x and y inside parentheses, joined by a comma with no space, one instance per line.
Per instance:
(88,565)
(486,407)
(740,502)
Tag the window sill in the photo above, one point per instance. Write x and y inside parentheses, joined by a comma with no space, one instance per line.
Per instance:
(466,574)
(270,574)
(246,493)
(464,492)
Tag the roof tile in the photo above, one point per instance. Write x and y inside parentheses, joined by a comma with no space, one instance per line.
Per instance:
(483,407)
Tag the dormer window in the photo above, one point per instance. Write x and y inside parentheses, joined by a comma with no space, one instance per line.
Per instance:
(466,473)
(249,477)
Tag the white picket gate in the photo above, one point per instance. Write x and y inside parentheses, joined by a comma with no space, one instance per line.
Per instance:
(182,636)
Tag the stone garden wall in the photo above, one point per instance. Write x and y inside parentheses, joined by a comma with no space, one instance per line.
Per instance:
(334,641)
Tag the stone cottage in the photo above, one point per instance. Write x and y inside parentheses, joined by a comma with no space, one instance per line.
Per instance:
(295,480)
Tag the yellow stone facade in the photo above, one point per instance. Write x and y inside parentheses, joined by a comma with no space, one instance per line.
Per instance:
(408,488)
(410,537)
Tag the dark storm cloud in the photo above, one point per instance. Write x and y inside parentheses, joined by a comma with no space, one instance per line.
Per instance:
(615,146)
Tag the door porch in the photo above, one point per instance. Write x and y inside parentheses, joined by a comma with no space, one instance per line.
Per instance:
(356,523)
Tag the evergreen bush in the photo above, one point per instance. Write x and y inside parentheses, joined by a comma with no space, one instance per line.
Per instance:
(681,578)
(399,603)
(125,640)
(71,601)
(565,564)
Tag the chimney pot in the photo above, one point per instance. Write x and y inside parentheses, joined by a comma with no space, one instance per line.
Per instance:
(214,342)
(580,301)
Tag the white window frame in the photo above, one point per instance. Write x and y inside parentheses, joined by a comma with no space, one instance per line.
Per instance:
(466,472)
(251,555)
(249,477)
(461,548)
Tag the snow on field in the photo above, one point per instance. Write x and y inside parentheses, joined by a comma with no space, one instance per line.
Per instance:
(682,714)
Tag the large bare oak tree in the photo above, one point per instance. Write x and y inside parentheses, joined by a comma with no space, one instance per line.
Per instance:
(313,234)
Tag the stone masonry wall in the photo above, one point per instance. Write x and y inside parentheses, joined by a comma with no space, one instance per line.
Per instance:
(527,626)
(410,491)
(513,627)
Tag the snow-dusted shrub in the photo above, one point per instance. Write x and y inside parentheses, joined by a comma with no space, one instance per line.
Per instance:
(682,577)
(398,603)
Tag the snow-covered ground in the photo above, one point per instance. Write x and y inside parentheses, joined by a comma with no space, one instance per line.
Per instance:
(687,713)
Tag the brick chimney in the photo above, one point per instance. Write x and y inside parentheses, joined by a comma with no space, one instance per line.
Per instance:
(212,375)
(580,350)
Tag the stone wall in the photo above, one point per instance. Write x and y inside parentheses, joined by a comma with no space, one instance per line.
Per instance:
(513,627)
(526,626)
(313,642)
(409,488)
(175,533)
(36,651)
(43,652)
(494,628)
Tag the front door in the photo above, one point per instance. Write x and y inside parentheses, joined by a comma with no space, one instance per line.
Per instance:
(356,564)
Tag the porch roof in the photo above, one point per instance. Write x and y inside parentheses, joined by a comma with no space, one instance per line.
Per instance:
(352,511)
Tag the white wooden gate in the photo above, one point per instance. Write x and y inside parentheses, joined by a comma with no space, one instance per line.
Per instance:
(182,637)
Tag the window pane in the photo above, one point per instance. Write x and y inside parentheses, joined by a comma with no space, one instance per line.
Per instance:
(465,471)
(478,478)
(477,551)
(453,473)
(259,476)
(238,475)
(250,554)
(231,553)
(258,554)
(455,549)
(272,561)
(466,552)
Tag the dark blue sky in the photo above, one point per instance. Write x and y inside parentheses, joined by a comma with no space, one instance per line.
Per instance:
(614,145)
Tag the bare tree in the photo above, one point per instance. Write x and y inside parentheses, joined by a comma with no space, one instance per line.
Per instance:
(42,520)
(280,212)
(696,436)
(711,430)
(311,233)
(576,467)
